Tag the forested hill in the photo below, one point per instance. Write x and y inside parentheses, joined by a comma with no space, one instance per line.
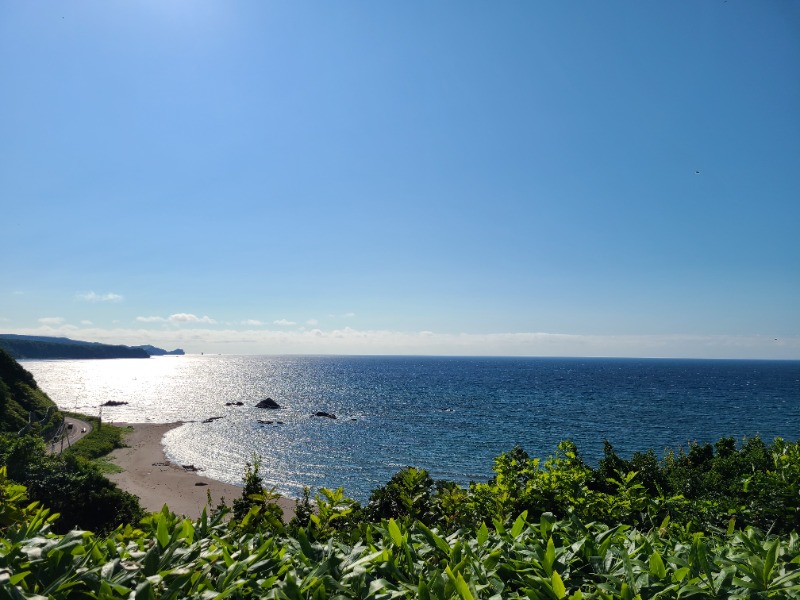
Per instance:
(32,347)
(19,396)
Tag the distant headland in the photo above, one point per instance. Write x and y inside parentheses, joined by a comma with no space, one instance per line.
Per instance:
(23,347)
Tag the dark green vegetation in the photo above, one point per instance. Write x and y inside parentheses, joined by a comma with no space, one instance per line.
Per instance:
(22,403)
(705,522)
(23,347)
(43,347)
(69,484)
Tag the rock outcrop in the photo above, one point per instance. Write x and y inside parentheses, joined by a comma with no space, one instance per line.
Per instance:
(268,403)
(322,413)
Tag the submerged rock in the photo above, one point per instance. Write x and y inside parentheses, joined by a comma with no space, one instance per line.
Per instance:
(268,403)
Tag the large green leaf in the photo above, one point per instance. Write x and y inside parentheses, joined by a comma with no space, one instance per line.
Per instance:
(519,524)
(395,533)
(559,588)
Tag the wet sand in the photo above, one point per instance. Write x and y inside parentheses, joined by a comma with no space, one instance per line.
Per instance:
(148,474)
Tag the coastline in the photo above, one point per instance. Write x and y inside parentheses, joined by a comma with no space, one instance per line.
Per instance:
(148,474)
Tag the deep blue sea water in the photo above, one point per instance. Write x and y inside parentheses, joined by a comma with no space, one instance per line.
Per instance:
(451,416)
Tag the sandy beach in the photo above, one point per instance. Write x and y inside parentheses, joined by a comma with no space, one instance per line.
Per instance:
(148,474)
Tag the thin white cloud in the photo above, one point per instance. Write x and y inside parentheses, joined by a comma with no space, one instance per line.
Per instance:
(252,322)
(190,318)
(51,320)
(85,322)
(178,318)
(312,322)
(284,322)
(94,297)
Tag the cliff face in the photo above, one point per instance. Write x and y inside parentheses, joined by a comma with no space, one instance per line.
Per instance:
(19,396)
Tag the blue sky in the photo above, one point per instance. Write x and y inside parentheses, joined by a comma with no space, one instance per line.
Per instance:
(522,178)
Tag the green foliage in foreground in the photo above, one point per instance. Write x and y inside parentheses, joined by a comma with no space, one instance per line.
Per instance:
(168,558)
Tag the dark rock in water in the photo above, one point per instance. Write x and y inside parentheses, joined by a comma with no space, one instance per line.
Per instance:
(210,419)
(278,422)
(263,422)
(234,404)
(190,468)
(268,403)
(322,413)
(114,403)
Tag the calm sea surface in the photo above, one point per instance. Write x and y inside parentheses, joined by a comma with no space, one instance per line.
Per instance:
(451,416)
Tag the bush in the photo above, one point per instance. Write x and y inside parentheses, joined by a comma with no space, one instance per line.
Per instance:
(257,510)
(69,485)
(407,494)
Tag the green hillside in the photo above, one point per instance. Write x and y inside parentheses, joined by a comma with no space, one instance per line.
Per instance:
(41,347)
(20,396)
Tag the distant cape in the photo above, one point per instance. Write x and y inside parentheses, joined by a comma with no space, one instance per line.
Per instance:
(23,347)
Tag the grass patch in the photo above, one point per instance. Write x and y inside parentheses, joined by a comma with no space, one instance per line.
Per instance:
(101,441)
(105,466)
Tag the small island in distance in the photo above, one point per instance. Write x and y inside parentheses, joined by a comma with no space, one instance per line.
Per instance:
(23,347)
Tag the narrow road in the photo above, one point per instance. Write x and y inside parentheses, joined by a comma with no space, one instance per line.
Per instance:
(78,430)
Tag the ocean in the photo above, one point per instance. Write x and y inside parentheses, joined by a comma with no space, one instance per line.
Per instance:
(449,415)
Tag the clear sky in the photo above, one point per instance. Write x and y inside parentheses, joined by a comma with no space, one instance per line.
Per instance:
(520,178)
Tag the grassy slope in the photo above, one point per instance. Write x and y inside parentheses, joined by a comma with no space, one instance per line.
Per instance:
(19,396)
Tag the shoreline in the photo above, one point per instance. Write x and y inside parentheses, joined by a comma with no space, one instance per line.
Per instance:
(150,475)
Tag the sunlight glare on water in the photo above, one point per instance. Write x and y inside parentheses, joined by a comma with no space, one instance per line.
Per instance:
(452,416)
